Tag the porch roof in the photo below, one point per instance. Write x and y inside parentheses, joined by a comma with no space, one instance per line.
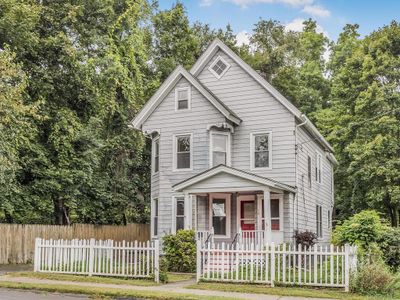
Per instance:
(232,172)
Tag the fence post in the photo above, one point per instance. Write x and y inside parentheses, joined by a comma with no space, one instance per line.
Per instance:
(346,267)
(198,261)
(272,264)
(37,255)
(157,261)
(91,256)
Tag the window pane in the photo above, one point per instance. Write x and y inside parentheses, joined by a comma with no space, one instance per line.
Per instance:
(219,216)
(183,144)
(156,207)
(180,207)
(219,158)
(155,227)
(218,207)
(275,208)
(219,224)
(219,142)
(274,224)
(156,164)
(219,67)
(183,104)
(180,223)
(183,94)
(261,159)
(261,142)
(183,161)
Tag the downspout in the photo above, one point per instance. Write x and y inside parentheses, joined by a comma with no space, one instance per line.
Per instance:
(296,199)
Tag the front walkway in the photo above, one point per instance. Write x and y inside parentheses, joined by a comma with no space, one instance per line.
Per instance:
(178,287)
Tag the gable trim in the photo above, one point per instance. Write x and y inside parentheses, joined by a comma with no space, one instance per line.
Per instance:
(167,86)
(213,48)
(231,171)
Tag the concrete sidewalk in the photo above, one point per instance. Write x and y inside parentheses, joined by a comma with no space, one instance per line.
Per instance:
(167,288)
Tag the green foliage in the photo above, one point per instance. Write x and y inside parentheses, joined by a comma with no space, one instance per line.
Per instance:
(374,278)
(363,229)
(389,243)
(180,251)
(305,238)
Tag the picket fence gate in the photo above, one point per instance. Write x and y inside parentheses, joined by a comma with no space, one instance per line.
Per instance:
(98,257)
(325,266)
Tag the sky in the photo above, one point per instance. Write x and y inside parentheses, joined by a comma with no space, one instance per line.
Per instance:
(331,15)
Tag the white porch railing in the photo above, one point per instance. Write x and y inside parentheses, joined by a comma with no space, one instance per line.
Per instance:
(205,236)
(103,258)
(247,238)
(317,266)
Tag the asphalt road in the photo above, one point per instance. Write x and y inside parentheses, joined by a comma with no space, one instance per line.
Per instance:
(7,294)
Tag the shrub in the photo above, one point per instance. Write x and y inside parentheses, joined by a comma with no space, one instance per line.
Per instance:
(362,229)
(180,251)
(389,243)
(305,238)
(374,278)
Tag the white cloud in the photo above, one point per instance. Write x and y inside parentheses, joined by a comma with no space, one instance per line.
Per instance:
(297,25)
(242,38)
(246,3)
(206,2)
(316,11)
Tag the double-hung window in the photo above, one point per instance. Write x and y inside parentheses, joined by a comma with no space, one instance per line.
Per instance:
(155,217)
(179,207)
(329,219)
(318,168)
(319,220)
(183,152)
(182,98)
(156,154)
(260,148)
(220,214)
(309,170)
(219,148)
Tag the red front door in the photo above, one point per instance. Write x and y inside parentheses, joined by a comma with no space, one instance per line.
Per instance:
(248,215)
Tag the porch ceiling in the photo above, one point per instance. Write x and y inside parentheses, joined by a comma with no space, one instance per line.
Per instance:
(224,177)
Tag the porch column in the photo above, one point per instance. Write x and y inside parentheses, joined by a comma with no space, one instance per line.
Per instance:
(188,211)
(267,212)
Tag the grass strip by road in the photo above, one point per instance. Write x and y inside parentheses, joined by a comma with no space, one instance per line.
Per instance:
(284,291)
(105,293)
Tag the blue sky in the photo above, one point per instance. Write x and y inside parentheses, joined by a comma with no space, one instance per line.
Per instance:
(331,15)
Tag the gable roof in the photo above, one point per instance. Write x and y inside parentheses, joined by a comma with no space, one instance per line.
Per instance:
(218,44)
(167,86)
(235,172)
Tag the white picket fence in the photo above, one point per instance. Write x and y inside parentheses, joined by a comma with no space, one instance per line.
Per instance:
(97,257)
(326,266)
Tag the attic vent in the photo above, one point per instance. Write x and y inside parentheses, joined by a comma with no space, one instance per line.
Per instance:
(219,67)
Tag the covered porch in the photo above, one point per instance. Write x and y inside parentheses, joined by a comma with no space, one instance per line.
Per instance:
(227,205)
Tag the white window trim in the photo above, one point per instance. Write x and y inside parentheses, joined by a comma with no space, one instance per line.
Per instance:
(228,146)
(228,213)
(153,156)
(317,226)
(174,153)
(174,199)
(252,148)
(318,166)
(189,90)
(214,62)
(152,208)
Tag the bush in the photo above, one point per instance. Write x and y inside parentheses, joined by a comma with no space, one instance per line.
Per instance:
(389,243)
(362,229)
(305,238)
(374,278)
(180,251)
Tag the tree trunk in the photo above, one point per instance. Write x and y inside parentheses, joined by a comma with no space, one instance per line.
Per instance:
(60,212)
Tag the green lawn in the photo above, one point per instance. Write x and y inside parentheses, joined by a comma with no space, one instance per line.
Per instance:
(106,293)
(284,291)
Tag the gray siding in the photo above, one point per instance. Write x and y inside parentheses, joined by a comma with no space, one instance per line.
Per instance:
(259,112)
(319,193)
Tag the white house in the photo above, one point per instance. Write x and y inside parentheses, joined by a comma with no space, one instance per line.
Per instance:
(232,155)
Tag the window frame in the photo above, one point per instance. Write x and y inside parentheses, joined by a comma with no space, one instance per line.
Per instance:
(228,199)
(318,168)
(175,154)
(319,228)
(309,170)
(252,150)
(189,93)
(228,147)
(154,216)
(329,213)
(210,68)
(155,141)
(175,199)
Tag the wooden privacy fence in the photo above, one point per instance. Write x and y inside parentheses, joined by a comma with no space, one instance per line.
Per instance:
(17,242)
(97,257)
(327,266)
